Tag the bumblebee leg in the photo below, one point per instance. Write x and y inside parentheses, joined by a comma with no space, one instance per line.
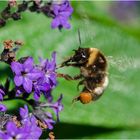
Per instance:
(86,84)
(69,63)
(80,83)
(87,87)
(65,63)
(74,64)
(68,77)
(77,77)
(75,99)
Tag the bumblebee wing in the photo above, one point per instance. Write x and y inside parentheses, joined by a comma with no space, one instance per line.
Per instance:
(118,71)
(123,64)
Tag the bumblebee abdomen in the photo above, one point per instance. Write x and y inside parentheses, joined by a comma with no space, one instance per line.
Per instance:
(99,90)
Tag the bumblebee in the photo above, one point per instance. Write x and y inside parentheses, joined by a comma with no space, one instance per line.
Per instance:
(93,73)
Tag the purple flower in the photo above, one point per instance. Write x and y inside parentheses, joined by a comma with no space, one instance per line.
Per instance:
(48,81)
(25,74)
(24,112)
(12,132)
(2,93)
(30,128)
(41,86)
(27,130)
(57,107)
(62,12)
(40,79)
(2,108)
(29,123)
(49,121)
(49,67)
(46,117)
(42,113)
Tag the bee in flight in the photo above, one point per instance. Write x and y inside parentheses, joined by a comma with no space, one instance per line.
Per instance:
(93,73)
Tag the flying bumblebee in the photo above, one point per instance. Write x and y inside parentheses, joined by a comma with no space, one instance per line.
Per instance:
(93,73)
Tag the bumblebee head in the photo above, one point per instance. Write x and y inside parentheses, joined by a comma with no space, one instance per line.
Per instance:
(81,55)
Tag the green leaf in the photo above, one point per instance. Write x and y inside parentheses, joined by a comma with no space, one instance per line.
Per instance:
(116,114)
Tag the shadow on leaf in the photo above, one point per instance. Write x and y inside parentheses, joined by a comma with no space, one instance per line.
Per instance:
(75,131)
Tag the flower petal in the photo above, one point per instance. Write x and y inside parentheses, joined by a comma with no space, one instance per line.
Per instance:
(69,10)
(28,64)
(52,77)
(48,96)
(16,68)
(3,108)
(27,84)
(51,65)
(36,95)
(24,112)
(55,22)
(45,87)
(2,92)
(11,128)
(64,22)
(56,9)
(49,123)
(34,75)
(65,14)
(18,80)
(4,136)
(1,97)
(19,91)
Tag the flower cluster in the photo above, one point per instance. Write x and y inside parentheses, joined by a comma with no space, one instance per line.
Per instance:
(30,125)
(27,128)
(59,11)
(46,117)
(35,78)
(39,79)
(31,81)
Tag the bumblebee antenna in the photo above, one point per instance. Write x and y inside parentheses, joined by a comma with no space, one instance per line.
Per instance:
(79,37)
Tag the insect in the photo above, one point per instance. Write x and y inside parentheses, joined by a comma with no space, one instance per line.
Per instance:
(93,73)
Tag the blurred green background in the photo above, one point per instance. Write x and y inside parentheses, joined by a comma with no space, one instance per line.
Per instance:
(113,27)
